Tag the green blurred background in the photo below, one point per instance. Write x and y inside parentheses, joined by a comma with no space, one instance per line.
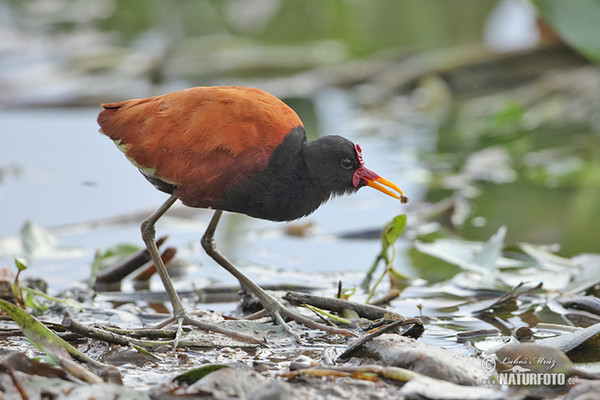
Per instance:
(494,108)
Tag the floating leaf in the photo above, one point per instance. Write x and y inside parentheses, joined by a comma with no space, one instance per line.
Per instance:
(196,374)
(491,250)
(569,341)
(36,239)
(546,258)
(472,256)
(586,275)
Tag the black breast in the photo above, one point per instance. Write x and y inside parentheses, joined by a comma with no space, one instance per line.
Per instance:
(281,192)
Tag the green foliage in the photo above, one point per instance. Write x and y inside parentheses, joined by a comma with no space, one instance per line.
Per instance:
(41,336)
(510,115)
(33,302)
(112,255)
(576,22)
(391,233)
(345,293)
(117,252)
(31,299)
(361,27)
(326,314)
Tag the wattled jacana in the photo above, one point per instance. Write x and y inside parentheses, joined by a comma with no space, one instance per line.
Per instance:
(235,149)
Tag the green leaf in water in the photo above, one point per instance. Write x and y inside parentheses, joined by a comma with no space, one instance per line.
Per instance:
(491,250)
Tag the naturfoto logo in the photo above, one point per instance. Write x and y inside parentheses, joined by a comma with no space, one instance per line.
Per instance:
(527,365)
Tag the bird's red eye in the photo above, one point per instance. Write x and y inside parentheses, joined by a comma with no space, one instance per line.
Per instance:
(346,163)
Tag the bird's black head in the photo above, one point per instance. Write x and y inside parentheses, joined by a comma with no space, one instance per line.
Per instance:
(332,162)
(335,164)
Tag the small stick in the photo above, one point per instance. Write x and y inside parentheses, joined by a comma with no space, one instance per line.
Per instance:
(142,333)
(94,333)
(338,305)
(110,337)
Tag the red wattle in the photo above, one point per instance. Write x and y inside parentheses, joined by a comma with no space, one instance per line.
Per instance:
(365,174)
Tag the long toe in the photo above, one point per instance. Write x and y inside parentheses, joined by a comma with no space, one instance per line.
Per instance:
(187,319)
(278,310)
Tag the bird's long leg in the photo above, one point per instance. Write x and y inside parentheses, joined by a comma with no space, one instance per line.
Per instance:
(179,313)
(270,303)
(148,235)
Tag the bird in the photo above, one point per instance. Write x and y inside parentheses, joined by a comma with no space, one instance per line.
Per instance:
(235,149)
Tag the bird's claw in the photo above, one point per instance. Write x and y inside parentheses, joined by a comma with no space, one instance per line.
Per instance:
(277,311)
(183,318)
